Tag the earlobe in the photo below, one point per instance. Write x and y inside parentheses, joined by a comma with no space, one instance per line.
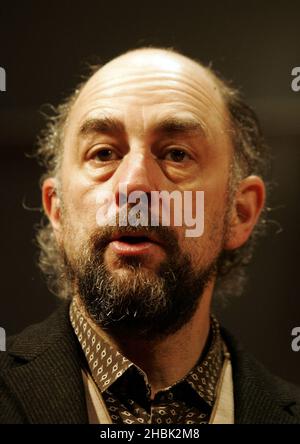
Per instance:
(246,209)
(51,202)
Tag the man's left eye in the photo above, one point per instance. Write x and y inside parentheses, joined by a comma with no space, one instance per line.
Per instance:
(177,155)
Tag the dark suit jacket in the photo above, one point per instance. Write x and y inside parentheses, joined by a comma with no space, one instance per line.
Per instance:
(41,382)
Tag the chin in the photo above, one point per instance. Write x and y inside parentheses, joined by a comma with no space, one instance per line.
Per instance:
(131,264)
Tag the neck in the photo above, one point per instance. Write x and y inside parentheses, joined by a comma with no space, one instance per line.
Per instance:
(166,361)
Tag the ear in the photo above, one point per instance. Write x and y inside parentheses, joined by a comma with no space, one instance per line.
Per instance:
(51,204)
(247,206)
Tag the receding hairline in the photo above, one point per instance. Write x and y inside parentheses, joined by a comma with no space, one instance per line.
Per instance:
(169,52)
(135,54)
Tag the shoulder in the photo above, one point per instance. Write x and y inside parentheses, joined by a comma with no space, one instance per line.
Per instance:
(259,395)
(43,363)
(36,338)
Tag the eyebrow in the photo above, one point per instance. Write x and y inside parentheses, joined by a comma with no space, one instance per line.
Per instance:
(170,125)
(105,125)
(173,125)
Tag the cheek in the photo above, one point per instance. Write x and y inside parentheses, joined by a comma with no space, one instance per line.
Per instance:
(78,192)
(216,201)
(80,208)
(204,249)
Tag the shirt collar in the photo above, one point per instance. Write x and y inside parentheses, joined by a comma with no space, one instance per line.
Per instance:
(107,364)
(204,376)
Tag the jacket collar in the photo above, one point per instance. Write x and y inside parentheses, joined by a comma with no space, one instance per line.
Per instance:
(47,380)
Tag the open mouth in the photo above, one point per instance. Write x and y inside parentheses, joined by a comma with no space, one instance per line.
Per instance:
(133,244)
(134,239)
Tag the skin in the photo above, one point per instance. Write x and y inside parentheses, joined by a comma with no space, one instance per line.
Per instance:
(141,89)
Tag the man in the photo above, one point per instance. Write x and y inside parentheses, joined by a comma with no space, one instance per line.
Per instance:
(135,341)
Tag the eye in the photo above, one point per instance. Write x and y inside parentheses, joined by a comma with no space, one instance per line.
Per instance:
(177,155)
(105,154)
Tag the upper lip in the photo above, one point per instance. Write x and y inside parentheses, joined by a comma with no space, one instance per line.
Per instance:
(150,236)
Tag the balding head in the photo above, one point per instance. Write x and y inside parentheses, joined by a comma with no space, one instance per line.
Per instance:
(158,81)
(159,60)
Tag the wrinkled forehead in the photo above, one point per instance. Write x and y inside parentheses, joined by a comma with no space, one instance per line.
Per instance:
(153,78)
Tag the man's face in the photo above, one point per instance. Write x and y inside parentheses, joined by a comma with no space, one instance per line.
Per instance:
(151,123)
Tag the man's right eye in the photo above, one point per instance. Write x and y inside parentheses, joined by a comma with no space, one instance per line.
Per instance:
(104,155)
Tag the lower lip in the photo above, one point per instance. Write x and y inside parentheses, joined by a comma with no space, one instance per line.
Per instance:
(124,248)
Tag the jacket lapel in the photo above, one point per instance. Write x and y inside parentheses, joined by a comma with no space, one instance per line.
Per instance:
(47,381)
(256,396)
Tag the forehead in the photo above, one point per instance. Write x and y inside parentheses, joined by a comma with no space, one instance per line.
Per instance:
(140,90)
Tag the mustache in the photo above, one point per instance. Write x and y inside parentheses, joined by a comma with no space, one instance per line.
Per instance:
(166,236)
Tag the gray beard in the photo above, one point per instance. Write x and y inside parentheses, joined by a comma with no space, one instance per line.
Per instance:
(141,302)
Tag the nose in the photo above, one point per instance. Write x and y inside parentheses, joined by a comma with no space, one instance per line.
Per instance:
(137,172)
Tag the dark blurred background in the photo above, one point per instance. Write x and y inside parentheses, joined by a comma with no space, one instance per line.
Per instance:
(44,46)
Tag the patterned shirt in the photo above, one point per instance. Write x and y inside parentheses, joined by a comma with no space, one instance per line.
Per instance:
(125,389)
